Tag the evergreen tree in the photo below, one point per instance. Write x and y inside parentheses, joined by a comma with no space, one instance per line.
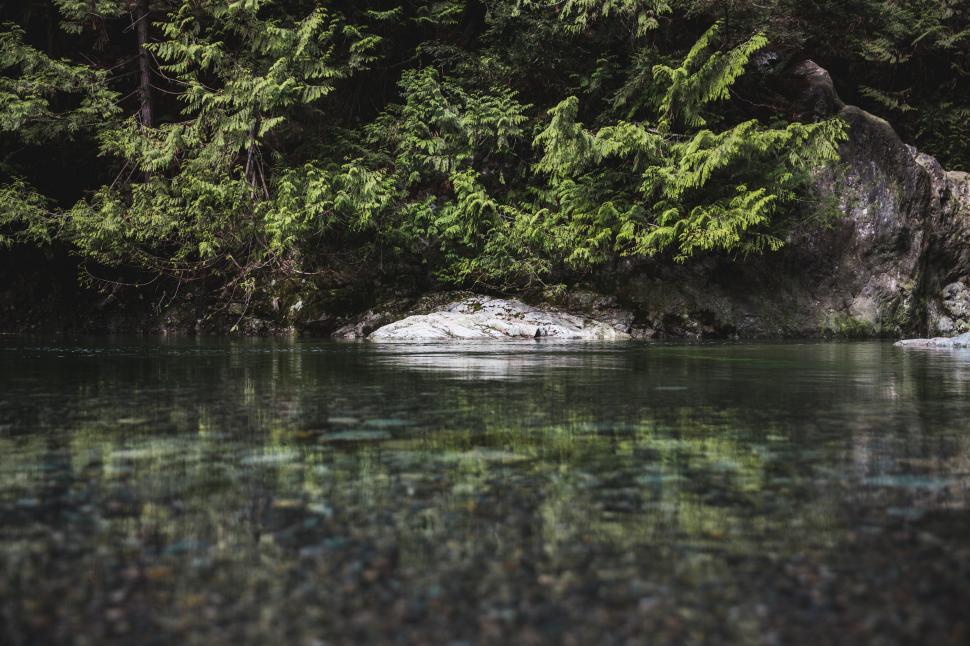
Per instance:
(255,144)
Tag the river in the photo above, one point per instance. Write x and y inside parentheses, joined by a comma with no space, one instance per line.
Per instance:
(209,491)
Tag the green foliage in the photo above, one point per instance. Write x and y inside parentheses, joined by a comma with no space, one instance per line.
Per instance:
(442,128)
(32,85)
(24,212)
(918,60)
(512,144)
(208,199)
(907,61)
(79,15)
(629,188)
(42,101)
(638,17)
(697,192)
(309,200)
(444,135)
(704,76)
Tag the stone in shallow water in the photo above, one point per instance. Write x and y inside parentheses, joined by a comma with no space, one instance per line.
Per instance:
(321,509)
(356,436)
(910,481)
(484,455)
(962,341)
(132,421)
(270,458)
(343,421)
(482,318)
(388,422)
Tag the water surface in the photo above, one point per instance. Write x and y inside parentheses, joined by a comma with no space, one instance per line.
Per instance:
(203,491)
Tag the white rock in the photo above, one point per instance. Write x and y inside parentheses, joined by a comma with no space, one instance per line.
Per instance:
(481,318)
(962,341)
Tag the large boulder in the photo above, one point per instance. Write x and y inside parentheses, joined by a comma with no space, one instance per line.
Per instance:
(484,318)
(895,263)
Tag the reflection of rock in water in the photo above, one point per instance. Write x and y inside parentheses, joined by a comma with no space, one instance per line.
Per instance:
(492,360)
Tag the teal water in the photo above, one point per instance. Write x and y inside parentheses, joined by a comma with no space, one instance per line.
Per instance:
(202,492)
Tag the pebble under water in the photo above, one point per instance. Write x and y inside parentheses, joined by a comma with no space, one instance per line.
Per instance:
(200,491)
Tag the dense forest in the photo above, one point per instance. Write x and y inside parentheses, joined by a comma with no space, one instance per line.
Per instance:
(258,152)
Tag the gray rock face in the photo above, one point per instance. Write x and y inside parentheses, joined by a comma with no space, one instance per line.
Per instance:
(482,318)
(962,341)
(953,316)
(893,264)
(364,325)
(817,95)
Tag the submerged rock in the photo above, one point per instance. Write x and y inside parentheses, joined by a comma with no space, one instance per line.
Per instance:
(482,318)
(962,341)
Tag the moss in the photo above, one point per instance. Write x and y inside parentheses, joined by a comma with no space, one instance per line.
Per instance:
(846,326)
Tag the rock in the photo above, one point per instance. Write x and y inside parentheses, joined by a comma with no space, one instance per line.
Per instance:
(816,92)
(885,265)
(956,299)
(483,318)
(355,436)
(601,307)
(363,325)
(954,314)
(256,326)
(962,341)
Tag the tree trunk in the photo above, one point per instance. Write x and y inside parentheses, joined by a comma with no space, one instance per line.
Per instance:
(145,113)
(473,22)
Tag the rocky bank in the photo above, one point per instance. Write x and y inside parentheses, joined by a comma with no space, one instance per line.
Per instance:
(895,264)
(947,343)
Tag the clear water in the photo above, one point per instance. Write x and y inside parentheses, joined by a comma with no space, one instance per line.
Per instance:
(200,491)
